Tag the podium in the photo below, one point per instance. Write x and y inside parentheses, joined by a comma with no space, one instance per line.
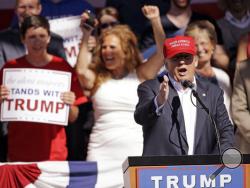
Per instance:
(184,171)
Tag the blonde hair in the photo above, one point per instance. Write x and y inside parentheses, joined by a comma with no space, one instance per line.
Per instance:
(202,25)
(129,47)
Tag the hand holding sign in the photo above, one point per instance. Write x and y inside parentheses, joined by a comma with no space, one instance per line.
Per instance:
(4,93)
(68,97)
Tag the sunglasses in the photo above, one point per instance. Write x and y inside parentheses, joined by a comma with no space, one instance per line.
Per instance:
(187,58)
(108,24)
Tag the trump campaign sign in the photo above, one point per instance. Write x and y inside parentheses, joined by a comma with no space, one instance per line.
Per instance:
(190,176)
(69,29)
(35,96)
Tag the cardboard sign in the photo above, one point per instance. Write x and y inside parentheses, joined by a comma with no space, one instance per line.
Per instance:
(35,96)
(69,29)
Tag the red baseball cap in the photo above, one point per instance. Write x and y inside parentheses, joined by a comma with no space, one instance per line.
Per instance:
(177,45)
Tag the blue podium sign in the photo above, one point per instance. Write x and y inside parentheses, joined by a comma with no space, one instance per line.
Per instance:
(189,176)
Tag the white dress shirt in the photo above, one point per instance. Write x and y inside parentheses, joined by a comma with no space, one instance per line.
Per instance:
(189,111)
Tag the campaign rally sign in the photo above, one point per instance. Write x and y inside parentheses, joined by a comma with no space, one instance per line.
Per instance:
(35,96)
(190,176)
(69,29)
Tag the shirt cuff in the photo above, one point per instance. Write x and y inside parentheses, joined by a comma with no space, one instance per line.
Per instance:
(158,110)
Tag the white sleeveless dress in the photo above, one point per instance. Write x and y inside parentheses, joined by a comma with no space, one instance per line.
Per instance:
(115,135)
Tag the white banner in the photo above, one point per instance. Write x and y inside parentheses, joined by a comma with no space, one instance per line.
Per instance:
(35,96)
(69,29)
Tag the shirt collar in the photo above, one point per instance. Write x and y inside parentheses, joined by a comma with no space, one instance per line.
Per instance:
(177,85)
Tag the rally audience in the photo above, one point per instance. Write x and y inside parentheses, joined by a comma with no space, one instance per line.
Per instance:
(240,106)
(116,66)
(11,47)
(234,25)
(34,141)
(175,21)
(205,38)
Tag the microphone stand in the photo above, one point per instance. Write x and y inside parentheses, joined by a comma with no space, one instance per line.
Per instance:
(214,174)
(195,94)
(231,151)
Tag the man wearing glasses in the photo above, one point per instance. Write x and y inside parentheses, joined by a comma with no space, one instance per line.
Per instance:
(173,120)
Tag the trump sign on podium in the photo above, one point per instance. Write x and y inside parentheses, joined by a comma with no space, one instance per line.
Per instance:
(35,96)
(190,176)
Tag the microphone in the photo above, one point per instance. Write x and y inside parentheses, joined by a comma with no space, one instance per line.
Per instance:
(189,84)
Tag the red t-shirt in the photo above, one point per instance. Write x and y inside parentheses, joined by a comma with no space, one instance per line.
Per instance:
(31,141)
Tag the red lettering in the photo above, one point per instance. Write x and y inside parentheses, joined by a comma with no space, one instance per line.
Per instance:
(48,106)
(59,106)
(70,51)
(34,105)
(19,102)
(29,106)
(9,103)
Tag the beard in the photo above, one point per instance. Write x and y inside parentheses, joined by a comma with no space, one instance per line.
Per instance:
(180,5)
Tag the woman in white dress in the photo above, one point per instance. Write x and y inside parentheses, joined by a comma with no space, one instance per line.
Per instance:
(112,74)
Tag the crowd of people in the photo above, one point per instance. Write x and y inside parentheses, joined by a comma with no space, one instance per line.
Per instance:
(133,91)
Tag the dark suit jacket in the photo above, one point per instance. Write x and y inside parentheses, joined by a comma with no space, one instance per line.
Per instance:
(11,46)
(166,134)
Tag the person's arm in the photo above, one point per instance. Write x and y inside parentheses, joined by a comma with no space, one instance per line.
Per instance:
(73,113)
(151,67)
(220,58)
(69,99)
(146,109)
(242,49)
(240,105)
(224,125)
(85,74)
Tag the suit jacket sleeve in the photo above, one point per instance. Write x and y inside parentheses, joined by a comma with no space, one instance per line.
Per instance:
(225,127)
(145,112)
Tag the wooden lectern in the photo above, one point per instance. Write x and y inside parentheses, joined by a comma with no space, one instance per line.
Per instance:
(184,171)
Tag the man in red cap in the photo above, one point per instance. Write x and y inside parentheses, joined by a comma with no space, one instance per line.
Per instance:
(174,121)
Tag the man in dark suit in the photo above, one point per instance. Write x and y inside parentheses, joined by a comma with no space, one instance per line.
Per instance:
(174,123)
